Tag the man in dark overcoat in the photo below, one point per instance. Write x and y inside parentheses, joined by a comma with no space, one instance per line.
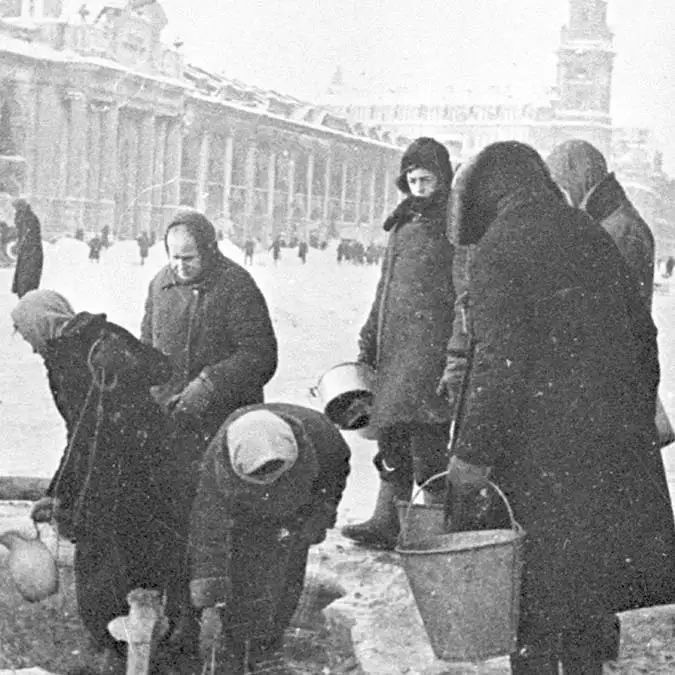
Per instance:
(560,405)
(404,340)
(207,314)
(30,257)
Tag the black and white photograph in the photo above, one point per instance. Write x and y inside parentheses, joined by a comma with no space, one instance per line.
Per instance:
(338,337)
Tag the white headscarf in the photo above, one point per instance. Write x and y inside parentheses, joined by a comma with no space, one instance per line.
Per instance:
(40,316)
(259,438)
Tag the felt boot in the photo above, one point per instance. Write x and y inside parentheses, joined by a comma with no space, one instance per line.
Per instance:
(381,530)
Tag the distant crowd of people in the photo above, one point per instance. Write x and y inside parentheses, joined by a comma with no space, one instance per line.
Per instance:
(512,340)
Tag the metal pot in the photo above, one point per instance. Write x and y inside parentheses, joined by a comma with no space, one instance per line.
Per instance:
(346,394)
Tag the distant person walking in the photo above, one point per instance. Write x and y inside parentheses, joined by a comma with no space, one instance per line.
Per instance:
(249,250)
(95,246)
(143,246)
(302,251)
(30,256)
(276,249)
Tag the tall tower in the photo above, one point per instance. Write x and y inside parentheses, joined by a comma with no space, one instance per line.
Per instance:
(585,61)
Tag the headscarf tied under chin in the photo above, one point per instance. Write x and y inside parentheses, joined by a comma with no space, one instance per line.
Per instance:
(261,446)
(40,316)
(577,166)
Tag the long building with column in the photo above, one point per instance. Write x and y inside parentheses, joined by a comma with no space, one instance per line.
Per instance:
(102,124)
(576,106)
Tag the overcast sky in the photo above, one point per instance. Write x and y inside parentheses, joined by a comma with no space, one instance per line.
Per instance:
(295,45)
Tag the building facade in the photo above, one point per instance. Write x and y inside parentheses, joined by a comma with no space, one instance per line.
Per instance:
(101,124)
(577,106)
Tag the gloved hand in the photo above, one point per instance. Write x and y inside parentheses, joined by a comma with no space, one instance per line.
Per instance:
(207,592)
(452,378)
(194,399)
(465,480)
(44,509)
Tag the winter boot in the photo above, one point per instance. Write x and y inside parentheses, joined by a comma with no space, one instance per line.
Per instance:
(381,530)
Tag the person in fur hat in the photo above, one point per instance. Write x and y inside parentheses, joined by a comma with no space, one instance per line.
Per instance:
(404,340)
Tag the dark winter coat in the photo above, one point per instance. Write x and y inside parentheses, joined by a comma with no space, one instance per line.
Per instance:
(406,333)
(30,257)
(109,481)
(263,523)
(561,395)
(219,325)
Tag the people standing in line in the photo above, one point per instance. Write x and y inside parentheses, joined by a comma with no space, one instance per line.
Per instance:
(249,250)
(559,410)
(143,246)
(107,494)
(30,256)
(206,313)
(302,251)
(95,246)
(404,340)
(276,249)
(581,171)
(269,488)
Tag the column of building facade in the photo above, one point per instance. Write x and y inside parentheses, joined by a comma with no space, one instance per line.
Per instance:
(359,189)
(203,171)
(144,175)
(77,161)
(310,190)
(172,167)
(94,161)
(271,186)
(157,193)
(109,169)
(327,186)
(290,197)
(371,195)
(343,190)
(386,187)
(28,99)
(227,177)
(249,200)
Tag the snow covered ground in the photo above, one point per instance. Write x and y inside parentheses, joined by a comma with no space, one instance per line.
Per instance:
(317,309)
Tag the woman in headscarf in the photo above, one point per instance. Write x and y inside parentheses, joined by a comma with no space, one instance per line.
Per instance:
(560,408)
(108,494)
(580,169)
(269,488)
(30,257)
(404,340)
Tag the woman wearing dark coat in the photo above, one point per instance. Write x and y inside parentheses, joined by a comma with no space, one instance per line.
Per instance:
(269,488)
(404,340)
(107,494)
(558,411)
(30,257)
(207,314)
(581,171)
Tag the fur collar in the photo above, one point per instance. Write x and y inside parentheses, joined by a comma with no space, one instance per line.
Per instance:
(433,208)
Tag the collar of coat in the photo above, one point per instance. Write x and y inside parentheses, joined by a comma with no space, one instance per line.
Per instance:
(433,208)
(604,198)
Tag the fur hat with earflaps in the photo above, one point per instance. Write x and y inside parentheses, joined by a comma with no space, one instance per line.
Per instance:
(425,153)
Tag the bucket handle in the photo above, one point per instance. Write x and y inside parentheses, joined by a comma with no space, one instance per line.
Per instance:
(514,523)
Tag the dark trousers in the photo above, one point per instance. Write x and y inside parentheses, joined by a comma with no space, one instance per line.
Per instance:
(417,450)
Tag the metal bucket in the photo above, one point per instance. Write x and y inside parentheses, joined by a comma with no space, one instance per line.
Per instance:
(346,394)
(466,586)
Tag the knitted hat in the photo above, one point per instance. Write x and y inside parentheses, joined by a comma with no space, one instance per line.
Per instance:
(425,153)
